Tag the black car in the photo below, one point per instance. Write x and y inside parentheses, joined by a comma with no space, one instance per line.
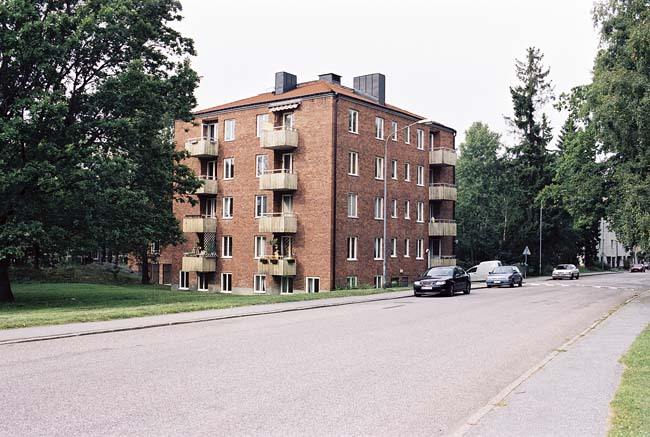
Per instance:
(447,280)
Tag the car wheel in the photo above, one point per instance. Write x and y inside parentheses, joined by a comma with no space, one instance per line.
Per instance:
(489,286)
(416,294)
(571,278)
(512,283)
(521,282)
(468,289)
(578,276)
(449,291)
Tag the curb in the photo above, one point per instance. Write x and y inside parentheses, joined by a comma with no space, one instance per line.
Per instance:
(192,321)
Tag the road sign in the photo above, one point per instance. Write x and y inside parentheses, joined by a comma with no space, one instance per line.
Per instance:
(525,254)
(526,251)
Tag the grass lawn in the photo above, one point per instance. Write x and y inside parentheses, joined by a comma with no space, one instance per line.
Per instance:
(58,303)
(631,405)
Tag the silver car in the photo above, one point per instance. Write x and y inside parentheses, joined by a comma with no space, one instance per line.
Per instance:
(566,271)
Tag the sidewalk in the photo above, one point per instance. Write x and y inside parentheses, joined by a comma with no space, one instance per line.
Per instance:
(571,392)
(38,333)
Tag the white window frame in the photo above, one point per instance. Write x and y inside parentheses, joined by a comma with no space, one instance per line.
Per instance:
(379,168)
(353,121)
(211,170)
(211,131)
(393,169)
(228,211)
(261,165)
(352,248)
(379,246)
(351,282)
(183,280)
(226,246)
(202,281)
(286,282)
(393,135)
(379,128)
(393,208)
(420,176)
(407,248)
(261,119)
(407,210)
(259,249)
(227,281)
(310,281)
(407,135)
(261,205)
(420,139)
(259,284)
(378,281)
(228,169)
(379,208)
(393,247)
(419,249)
(432,140)
(420,212)
(407,172)
(229,127)
(353,205)
(353,163)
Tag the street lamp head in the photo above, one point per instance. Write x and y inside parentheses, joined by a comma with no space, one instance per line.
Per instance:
(426,120)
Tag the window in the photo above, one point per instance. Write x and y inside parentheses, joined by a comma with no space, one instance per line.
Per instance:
(259,285)
(407,135)
(229,133)
(379,168)
(352,248)
(432,140)
(210,131)
(351,282)
(227,208)
(393,247)
(420,138)
(379,128)
(260,246)
(262,119)
(420,212)
(407,172)
(261,164)
(419,249)
(379,208)
(394,131)
(260,206)
(226,246)
(229,168)
(226,282)
(313,285)
(211,170)
(286,285)
(407,248)
(353,121)
(354,164)
(379,248)
(393,208)
(202,281)
(184,280)
(287,120)
(407,210)
(352,205)
(209,207)
(393,169)
(379,283)
(420,176)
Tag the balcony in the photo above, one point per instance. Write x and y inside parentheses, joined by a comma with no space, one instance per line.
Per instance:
(202,147)
(276,266)
(442,261)
(281,223)
(280,138)
(199,224)
(442,192)
(199,263)
(279,180)
(209,185)
(442,228)
(442,156)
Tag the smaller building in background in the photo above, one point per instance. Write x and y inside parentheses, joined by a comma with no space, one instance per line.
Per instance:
(610,251)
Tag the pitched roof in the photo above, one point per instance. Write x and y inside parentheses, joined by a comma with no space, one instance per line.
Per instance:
(306,89)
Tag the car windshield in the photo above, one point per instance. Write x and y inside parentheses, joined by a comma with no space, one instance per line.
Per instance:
(502,269)
(440,271)
(562,267)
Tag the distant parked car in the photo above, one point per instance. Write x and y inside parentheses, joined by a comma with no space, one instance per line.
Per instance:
(447,280)
(566,271)
(646,264)
(480,271)
(637,268)
(504,275)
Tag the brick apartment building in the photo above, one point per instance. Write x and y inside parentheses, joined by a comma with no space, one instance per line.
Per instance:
(292,199)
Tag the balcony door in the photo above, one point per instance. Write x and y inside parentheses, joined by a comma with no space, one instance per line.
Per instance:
(211,170)
(210,131)
(286,248)
(287,120)
(287,162)
(287,204)
(209,207)
(435,248)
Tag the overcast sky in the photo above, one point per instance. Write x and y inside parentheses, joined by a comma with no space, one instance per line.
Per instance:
(448,60)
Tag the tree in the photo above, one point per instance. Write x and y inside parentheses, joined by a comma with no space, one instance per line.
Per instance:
(619,99)
(56,126)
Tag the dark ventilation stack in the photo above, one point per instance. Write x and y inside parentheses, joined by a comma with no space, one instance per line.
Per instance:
(372,86)
(331,78)
(285,82)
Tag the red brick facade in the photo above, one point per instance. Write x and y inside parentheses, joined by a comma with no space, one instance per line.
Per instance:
(320,202)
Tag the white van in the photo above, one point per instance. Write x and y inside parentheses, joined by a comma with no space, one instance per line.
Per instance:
(479,273)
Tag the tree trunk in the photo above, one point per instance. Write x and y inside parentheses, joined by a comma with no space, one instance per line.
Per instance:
(144,262)
(5,286)
(37,257)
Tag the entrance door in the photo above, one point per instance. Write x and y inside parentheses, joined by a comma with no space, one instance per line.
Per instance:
(287,203)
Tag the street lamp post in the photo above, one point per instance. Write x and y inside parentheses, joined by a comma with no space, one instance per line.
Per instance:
(541,206)
(394,133)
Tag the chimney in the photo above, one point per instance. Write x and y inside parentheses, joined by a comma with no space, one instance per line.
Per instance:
(331,78)
(372,86)
(284,82)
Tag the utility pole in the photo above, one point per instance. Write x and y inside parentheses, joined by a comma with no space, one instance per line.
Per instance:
(540,237)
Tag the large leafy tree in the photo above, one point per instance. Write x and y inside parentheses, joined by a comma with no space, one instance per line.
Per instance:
(58,121)
(619,100)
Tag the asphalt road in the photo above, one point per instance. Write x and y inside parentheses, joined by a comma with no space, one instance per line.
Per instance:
(412,366)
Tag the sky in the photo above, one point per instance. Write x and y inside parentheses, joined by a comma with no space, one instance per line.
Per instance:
(452,61)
